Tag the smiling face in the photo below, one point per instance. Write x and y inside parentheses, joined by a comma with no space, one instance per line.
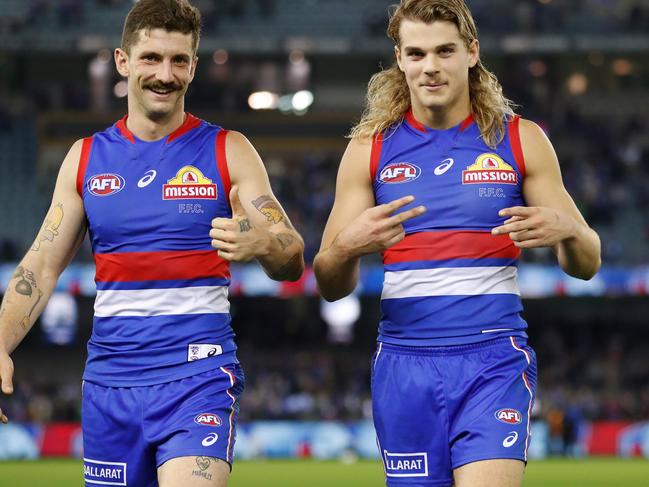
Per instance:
(159,68)
(436,62)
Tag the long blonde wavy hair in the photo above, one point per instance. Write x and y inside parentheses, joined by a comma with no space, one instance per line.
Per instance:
(388,96)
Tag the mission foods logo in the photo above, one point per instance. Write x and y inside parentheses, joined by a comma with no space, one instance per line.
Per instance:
(189,184)
(399,172)
(509,416)
(105,184)
(489,168)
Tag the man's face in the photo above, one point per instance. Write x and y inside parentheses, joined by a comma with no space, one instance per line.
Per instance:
(436,63)
(159,69)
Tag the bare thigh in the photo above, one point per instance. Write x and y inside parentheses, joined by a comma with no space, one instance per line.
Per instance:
(490,473)
(194,472)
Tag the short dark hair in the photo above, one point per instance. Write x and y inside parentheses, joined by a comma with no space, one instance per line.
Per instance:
(170,15)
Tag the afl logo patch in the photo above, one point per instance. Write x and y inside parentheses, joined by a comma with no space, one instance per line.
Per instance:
(106,184)
(509,416)
(208,419)
(399,172)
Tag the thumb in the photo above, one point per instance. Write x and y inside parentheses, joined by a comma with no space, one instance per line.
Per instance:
(5,379)
(235,202)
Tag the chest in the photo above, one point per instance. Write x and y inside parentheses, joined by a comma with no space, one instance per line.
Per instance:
(153,195)
(460,180)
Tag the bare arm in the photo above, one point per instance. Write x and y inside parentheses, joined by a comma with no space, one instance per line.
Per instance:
(356,227)
(259,227)
(551,218)
(34,279)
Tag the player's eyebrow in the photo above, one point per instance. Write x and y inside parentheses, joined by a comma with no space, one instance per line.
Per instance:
(447,45)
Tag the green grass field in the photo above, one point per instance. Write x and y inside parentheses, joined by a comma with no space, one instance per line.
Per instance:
(547,473)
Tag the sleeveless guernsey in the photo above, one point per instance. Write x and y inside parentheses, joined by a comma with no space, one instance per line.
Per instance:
(162,309)
(449,282)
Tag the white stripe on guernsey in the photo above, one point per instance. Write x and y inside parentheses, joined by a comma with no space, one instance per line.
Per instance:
(450,281)
(527,386)
(158,302)
(378,353)
(230,420)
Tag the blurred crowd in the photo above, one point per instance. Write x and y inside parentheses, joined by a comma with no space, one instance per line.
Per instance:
(493,16)
(582,377)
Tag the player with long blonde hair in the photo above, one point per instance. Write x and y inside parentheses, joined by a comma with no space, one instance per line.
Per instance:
(444,180)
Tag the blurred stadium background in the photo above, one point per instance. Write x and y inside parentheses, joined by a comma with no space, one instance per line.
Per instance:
(291,75)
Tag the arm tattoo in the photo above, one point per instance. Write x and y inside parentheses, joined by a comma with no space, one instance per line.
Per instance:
(26,285)
(203,464)
(288,269)
(244,225)
(285,240)
(38,300)
(50,227)
(26,281)
(270,209)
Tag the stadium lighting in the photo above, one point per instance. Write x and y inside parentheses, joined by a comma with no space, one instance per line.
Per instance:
(120,90)
(220,56)
(302,100)
(577,84)
(622,67)
(263,100)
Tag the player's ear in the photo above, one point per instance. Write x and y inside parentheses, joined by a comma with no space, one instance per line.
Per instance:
(397,55)
(474,53)
(193,69)
(121,62)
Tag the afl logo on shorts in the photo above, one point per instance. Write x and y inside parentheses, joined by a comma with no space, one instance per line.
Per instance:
(399,172)
(208,419)
(509,416)
(105,184)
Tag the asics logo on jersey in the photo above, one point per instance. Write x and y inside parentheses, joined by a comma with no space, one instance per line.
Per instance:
(445,165)
(210,439)
(511,439)
(148,177)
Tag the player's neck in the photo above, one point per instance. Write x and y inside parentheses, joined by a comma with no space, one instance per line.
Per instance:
(441,119)
(150,130)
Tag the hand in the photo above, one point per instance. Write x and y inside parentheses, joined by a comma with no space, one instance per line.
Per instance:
(235,238)
(533,226)
(6,383)
(377,229)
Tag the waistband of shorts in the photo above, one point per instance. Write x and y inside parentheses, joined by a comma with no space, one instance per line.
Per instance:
(452,349)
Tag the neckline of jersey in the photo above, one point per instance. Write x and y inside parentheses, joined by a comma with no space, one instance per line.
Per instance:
(190,123)
(410,119)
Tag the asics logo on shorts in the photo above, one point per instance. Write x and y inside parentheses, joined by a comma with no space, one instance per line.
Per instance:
(511,439)
(210,439)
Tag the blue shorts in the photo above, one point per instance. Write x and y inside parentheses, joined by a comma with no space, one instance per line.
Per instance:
(128,432)
(438,408)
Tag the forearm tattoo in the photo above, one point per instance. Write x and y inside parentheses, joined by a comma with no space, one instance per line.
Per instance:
(285,240)
(26,282)
(26,286)
(49,230)
(203,464)
(270,209)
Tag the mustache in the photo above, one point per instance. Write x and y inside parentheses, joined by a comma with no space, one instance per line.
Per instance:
(163,86)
